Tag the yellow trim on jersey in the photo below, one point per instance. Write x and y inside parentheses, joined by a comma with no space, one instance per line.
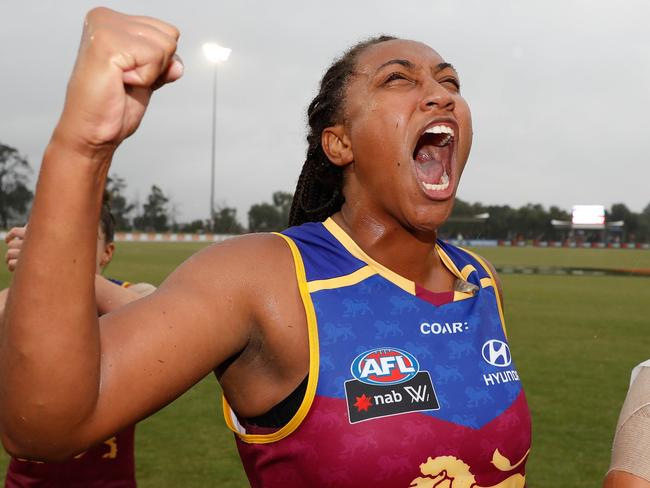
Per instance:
(451,266)
(296,420)
(459,295)
(466,271)
(341,281)
(485,282)
(403,283)
(358,253)
(494,285)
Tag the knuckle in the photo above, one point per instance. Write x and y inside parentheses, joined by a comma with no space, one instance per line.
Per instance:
(97,12)
(93,14)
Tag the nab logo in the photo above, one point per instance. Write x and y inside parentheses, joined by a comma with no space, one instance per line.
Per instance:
(496,353)
(384,367)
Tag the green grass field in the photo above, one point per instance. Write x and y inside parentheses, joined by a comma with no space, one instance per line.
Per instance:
(574,338)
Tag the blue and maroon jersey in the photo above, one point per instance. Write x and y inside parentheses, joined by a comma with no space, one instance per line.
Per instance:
(110,464)
(406,388)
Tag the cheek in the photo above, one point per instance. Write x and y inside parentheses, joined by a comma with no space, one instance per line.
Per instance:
(378,137)
(464,117)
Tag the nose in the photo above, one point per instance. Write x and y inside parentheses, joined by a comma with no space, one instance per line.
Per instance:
(438,97)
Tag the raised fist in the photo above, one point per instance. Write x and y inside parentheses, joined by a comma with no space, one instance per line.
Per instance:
(122,59)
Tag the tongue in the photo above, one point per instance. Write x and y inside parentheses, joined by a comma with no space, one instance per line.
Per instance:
(428,168)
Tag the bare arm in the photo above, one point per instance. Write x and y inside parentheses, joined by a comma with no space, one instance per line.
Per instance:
(3,301)
(621,479)
(64,382)
(630,466)
(110,296)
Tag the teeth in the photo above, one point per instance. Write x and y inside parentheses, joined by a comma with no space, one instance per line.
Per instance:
(443,185)
(440,129)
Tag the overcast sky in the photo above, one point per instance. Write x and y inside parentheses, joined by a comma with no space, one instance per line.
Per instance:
(559,91)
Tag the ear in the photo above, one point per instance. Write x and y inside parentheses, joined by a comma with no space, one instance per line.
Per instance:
(107,255)
(337,145)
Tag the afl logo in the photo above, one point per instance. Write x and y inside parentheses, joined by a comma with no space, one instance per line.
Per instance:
(497,353)
(384,366)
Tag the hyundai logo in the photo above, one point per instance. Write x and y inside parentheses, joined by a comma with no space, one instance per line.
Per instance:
(496,353)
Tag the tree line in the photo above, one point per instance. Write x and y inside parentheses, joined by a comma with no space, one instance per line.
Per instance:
(468,220)
(533,222)
(156,215)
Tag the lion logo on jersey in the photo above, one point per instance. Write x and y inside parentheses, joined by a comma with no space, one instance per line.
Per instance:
(451,472)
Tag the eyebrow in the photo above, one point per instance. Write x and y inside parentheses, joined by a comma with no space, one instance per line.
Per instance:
(411,66)
(402,62)
(443,66)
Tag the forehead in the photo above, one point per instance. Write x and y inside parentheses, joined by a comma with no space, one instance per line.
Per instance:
(417,53)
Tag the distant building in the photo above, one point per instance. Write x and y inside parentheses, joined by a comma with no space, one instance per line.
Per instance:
(588,224)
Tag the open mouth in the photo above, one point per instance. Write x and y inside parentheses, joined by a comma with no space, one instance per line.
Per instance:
(432,156)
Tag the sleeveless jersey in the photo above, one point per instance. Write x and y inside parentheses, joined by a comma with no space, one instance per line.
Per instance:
(110,464)
(404,389)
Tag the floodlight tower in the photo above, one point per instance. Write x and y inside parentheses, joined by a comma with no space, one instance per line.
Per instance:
(215,54)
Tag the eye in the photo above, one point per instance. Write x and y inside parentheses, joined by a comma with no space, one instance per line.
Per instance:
(451,83)
(396,77)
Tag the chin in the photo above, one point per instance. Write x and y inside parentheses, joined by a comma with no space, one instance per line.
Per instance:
(429,218)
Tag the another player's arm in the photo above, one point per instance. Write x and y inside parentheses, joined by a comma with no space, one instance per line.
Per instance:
(110,295)
(621,479)
(3,301)
(629,467)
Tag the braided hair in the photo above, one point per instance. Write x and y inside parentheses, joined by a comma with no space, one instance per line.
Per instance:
(319,192)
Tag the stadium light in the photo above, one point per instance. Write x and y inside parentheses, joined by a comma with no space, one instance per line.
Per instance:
(215,54)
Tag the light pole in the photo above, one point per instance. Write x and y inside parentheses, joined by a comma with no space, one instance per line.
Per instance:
(215,54)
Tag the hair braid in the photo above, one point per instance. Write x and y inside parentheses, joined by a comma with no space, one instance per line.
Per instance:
(319,192)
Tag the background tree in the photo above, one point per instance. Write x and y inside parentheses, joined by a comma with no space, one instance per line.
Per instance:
(619,211)
(644,224)
(154,215)
(267,217)
(531,221)
(225,221)
(282,202)
(194,227)
(120,207)
(463,222)
(15,196)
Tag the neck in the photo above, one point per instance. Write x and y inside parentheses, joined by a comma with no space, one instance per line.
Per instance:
(407,252)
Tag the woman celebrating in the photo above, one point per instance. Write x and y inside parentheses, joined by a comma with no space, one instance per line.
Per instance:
(353,349)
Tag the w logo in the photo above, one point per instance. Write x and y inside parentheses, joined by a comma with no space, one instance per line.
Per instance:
(496,353)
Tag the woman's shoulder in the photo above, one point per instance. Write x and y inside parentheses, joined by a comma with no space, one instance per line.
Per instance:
(258,248)
(252,260)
